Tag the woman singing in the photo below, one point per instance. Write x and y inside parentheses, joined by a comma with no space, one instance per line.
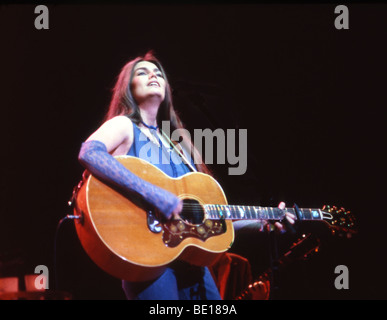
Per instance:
(141,101)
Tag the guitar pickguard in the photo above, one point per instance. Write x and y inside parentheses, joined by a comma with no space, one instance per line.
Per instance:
(176,231)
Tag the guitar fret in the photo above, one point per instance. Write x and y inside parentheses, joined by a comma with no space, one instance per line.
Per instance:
(277,213)
(253,212)
(234,212)
(280,213)
(228,212)
(220,211)
(264,213)
(248,213)
(208,211)
(271,214)
(307,214)
(293,211)
(256,209)
(241,212)
(257,213)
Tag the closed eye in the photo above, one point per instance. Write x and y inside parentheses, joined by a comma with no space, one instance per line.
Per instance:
(145,71)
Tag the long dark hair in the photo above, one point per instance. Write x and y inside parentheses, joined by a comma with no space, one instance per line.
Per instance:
(123,103)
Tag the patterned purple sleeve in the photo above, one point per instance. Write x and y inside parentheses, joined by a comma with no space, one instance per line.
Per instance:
(95,158)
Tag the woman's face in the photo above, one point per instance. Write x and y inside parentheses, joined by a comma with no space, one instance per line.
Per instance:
(147,82)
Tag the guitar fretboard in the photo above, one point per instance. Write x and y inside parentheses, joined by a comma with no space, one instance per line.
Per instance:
(236,212)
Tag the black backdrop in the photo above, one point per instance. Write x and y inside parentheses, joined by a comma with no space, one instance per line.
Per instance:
(311,97)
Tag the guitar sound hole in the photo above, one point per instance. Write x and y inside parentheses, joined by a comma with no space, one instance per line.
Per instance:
(192,212)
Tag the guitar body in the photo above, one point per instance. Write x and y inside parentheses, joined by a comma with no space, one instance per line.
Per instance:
(115,233)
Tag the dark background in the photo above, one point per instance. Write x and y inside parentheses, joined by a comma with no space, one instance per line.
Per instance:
(312,98)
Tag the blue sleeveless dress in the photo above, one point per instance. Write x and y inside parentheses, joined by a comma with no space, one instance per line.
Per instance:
(180,281)
(164,158)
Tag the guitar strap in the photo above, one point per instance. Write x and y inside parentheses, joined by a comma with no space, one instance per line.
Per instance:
(153,131)
(180,152)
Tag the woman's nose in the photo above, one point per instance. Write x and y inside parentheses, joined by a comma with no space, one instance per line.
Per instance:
(152,74)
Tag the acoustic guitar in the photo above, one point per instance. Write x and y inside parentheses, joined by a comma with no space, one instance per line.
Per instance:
(129,240)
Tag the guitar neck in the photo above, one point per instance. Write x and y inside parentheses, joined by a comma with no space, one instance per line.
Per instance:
(235,212)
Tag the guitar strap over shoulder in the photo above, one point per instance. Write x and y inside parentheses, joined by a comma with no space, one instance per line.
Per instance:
(179,150)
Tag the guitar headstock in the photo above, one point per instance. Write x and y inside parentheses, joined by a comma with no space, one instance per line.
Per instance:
(341,221)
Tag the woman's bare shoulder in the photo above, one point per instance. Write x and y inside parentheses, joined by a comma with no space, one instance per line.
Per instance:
(115,133)
(122,121)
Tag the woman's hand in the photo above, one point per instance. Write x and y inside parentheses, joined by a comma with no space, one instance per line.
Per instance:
(177,210)
(269,227)
(279,226)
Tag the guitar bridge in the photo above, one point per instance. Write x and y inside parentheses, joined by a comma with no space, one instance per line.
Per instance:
(176,231)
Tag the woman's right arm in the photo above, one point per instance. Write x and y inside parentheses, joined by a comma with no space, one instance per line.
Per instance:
(115,137)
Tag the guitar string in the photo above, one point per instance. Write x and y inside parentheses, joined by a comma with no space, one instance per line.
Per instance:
(193,205)
(236,207)
(215,206)
(197,208)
